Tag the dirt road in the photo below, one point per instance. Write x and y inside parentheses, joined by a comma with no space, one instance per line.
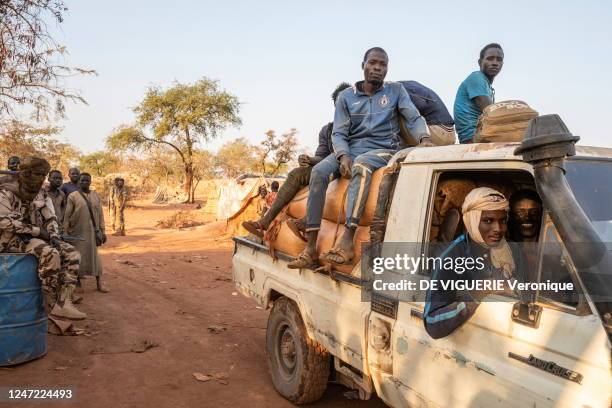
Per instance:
(167,288)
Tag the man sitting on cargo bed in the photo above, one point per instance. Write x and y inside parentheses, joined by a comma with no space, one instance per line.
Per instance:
(476,93)
(365,137)
(481,253)
(298,177)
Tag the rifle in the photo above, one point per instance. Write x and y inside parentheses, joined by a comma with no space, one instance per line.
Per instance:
(9,172)
(66,238)
(71,238)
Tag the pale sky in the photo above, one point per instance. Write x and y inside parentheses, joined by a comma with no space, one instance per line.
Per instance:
(283,59)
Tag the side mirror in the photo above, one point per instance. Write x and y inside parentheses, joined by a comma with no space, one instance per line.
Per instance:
(527,314)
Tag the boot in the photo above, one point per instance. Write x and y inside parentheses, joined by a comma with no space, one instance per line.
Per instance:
(64,307)
(79,288)
(100,285)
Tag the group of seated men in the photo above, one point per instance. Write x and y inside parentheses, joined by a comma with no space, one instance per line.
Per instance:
(28,224)
(364,136)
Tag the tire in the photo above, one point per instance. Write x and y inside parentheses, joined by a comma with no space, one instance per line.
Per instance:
(298,365)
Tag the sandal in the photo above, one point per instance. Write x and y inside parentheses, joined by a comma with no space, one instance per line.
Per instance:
(254,228)
(297,227)
(303,261)
(338,256)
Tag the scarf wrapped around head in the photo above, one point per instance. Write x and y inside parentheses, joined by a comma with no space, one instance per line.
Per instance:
(486,199)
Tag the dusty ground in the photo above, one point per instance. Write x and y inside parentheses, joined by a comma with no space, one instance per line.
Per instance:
(167,287)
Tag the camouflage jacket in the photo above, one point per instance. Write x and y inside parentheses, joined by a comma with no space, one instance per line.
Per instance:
(22,218)
(118,197)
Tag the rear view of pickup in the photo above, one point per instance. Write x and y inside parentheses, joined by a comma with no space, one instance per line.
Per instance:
(321,325)
(316,324)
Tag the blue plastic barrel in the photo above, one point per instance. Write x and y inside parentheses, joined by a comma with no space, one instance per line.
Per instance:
(23,321)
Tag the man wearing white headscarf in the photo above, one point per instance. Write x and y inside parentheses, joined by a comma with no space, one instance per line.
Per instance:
(485,215)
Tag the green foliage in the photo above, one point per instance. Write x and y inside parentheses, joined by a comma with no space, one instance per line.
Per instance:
(237,157)
(179,117)
(199,110)
(23,139)
(100,163)
(31,61)
(281,149)
(127,138)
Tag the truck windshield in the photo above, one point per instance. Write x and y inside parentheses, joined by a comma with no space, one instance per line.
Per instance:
(591,182)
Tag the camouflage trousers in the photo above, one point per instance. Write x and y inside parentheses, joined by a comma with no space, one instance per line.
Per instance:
(117,218)
(56,268)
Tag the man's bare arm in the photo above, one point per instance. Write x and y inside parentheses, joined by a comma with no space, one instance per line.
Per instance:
(482,102)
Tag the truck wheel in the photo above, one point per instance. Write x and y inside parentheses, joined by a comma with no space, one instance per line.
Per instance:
(299,366)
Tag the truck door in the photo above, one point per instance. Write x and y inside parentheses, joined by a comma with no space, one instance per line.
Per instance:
(384,315)
(496,359)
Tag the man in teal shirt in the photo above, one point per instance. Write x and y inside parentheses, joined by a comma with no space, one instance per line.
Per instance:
(476,93)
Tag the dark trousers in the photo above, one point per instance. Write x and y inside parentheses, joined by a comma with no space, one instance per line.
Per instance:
(297,179)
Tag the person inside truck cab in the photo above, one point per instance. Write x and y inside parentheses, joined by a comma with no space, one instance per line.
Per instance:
(365,136)
(476,92)
(297,178)
(525,216)
(485,215)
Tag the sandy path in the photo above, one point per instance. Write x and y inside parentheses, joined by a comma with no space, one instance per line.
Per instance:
(167,287)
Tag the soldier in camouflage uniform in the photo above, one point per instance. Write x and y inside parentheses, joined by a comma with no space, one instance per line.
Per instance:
(28,224)
(116,205)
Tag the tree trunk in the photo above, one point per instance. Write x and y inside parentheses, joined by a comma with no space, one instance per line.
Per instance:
(188,167)
(188,181)
(193,190)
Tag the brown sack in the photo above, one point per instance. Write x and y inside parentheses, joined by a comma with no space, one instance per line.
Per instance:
(287,242)
(297,207)
(361,239)
(450,194)
(370,207)
(332,211)
(504,121)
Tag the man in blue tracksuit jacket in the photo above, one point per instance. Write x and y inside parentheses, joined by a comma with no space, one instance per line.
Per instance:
(365,136)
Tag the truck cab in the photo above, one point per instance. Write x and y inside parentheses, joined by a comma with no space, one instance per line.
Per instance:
(544,352)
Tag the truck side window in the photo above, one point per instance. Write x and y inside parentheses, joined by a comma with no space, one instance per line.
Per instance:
(555,265)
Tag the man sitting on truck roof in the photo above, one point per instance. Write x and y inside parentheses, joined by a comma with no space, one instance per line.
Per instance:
(430,106)
(298,177)
(485,215)
(365,137)
(476,93)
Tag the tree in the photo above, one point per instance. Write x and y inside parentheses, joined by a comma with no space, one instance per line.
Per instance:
(283,151)
(203,168)
(100,163)
(236,157)
(23,139)
(31,61)
(179,117)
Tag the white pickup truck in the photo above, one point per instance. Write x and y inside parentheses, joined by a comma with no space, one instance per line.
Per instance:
(509,354)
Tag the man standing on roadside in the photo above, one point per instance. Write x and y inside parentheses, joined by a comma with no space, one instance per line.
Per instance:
(476,92)
(57,196)
(116,206)
(73,185)
(84,218)
(13,163)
